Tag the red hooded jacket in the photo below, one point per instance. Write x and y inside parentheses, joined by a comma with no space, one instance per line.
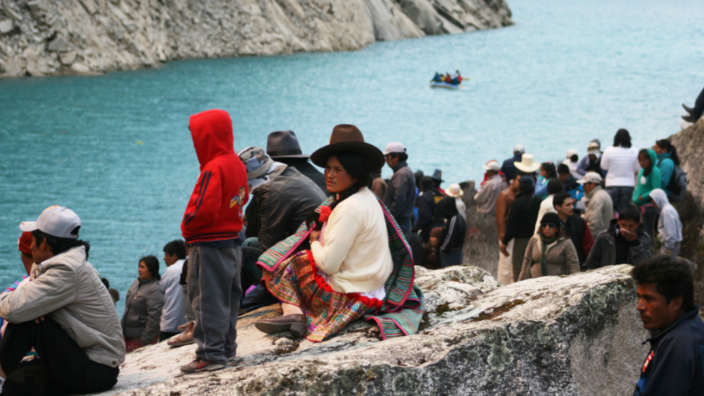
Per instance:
(214,212)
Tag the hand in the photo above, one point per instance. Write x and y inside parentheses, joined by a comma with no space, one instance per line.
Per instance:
(630,236)
(314,236)
(37,320)
(503,250)
(640,197)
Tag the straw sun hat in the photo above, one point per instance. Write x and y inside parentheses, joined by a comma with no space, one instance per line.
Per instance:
(527,165)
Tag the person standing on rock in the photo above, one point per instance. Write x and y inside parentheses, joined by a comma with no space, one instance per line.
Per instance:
(503,207)
(669,225)
(508,168)
(674,365)
(668,160)
(599,209)
(211,226)
(283,146)
(574,226)
(621,164)
(453,233)
(550,251)
(521,223)
(400,195)
(625,242)
(490,189)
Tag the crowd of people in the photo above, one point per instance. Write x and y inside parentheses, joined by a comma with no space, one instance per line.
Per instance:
(264,226)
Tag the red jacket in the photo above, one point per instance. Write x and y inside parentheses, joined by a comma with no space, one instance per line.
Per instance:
(214,212)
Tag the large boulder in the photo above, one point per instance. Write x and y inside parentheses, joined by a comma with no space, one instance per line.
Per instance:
(569,335)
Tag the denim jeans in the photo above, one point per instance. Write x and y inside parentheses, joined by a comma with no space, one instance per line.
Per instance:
(405,224)
(453,257)
(620,196)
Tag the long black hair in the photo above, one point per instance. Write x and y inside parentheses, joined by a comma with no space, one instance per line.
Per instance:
(59,245)
(646,171)
(152,264)
(549,168)
(622,138)
(665,144)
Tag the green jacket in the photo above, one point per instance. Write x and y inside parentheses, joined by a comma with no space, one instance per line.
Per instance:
(646,184)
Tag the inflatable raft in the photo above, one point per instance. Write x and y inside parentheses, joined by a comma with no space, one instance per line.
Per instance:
(444,85)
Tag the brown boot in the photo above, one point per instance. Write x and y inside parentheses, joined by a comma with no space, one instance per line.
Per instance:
(282,323)
(185,338)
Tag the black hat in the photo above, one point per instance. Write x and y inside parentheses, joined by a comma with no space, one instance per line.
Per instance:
(550,218)
(437,175)
(346,137)
(284,144)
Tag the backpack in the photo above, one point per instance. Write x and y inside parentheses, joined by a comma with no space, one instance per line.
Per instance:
(677,187)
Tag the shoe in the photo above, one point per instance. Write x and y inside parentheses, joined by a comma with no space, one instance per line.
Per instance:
(185,326)
(688,109)
(185,338)
(281,323)
(689,118)
(199,365)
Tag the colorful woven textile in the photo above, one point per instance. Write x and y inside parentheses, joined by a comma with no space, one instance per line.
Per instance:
(14,285)
(403,308)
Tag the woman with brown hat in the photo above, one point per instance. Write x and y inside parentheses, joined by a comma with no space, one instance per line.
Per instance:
(354,243)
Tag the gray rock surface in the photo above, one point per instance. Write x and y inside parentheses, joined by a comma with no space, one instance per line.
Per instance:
(128,34)
(575,335)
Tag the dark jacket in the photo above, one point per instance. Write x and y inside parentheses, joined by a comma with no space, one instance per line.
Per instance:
(279,207)
(522,217)
(426,215)
(509,169)
(577,229)
(308,170)
(455,229)
(400,196)
(604,251)
(675,364)
(585,166)
(143,310)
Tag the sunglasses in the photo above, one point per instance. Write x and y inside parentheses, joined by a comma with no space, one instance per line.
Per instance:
(550,225)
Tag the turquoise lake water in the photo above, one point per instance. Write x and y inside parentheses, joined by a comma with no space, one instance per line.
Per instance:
(566,73)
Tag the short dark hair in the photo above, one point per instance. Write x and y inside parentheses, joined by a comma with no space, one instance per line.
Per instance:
(622,138)
(673,277)
(629,213)
(401,156)
(152,264)
(562,168)
(560,198)
(58,245)
(555,186)
(574,158)
(177,247)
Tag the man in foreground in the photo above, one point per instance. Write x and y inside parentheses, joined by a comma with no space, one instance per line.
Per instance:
(65,313)
(211,226)
(675,364)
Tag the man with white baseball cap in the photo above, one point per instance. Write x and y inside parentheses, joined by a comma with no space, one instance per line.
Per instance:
(490,189)
(600,208)
(400,195)
(65,313)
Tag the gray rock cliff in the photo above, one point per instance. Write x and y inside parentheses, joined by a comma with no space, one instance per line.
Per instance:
(569,335)
(46,37)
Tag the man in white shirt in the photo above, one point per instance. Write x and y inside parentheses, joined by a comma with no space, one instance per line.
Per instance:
(173,314)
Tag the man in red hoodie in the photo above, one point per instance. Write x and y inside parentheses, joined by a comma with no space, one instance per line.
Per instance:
(211,225)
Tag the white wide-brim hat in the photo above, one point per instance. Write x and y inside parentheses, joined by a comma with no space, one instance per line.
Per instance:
(527,165)
(454,191)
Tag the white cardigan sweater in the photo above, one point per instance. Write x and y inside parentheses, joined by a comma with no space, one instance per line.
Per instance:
(355,250)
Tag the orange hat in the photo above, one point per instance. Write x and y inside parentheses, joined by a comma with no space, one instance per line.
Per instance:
(24,242)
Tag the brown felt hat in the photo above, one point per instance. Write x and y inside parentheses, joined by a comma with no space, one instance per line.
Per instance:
(346,137)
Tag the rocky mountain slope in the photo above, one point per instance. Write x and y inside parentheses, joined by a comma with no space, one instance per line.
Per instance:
(568,335)
(45,37)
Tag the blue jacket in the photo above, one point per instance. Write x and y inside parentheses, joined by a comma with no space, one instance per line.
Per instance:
(675,364)
(667,168)
(509,169)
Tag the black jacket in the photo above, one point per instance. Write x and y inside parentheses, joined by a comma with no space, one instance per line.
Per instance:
(453,234)
(509,169)
(279,207)
(575,227)
(427,215)
(522,217)
(604,251)
(400,196)
(308,170)
(675,364)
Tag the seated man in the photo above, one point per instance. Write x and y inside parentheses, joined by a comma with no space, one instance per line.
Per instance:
(65,313)
(625,242)
(675,364)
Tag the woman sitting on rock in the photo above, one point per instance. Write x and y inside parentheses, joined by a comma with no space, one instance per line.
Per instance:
(140,322)
(357,262)
(550,251)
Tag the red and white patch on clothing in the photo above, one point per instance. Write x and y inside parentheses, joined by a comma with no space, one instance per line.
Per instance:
(647,361)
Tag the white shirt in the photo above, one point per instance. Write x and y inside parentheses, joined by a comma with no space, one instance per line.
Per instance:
(173,314)
(621,165)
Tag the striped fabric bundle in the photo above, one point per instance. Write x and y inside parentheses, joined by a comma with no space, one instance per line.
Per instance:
(403,307)
(14,285)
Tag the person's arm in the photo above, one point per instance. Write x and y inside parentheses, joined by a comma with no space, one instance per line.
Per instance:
(274,213)
(587,240)
(50,291)
(501,208)
(482,196)
(571,258)
(155,302)
(527,261)
(582,165)
(514,216)
(640,250)
(671,369)
(542,190)
(400,200)
(667,168)
(451,231)
(340,234)
(205,203)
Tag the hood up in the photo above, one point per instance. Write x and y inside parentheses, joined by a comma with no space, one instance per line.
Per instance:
(660,198)
(212,135)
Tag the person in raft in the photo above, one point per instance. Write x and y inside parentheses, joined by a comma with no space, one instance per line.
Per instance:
(344,274)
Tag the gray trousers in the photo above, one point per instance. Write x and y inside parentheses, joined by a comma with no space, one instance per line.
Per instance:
(674,253)
(519,250)
(214,289)
(190,315)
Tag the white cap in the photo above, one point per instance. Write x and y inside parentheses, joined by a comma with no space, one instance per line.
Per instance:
(491,165)
(57,221)
(395,147)
(519,149)
(594,148)
(591,177)
(572,152)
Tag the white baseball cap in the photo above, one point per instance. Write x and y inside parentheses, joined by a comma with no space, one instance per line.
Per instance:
(519,149)
(491,165)
(572,152)
(591,177)
(57,221)
(395,147)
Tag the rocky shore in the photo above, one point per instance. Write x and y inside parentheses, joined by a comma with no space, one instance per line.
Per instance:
(47,37)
